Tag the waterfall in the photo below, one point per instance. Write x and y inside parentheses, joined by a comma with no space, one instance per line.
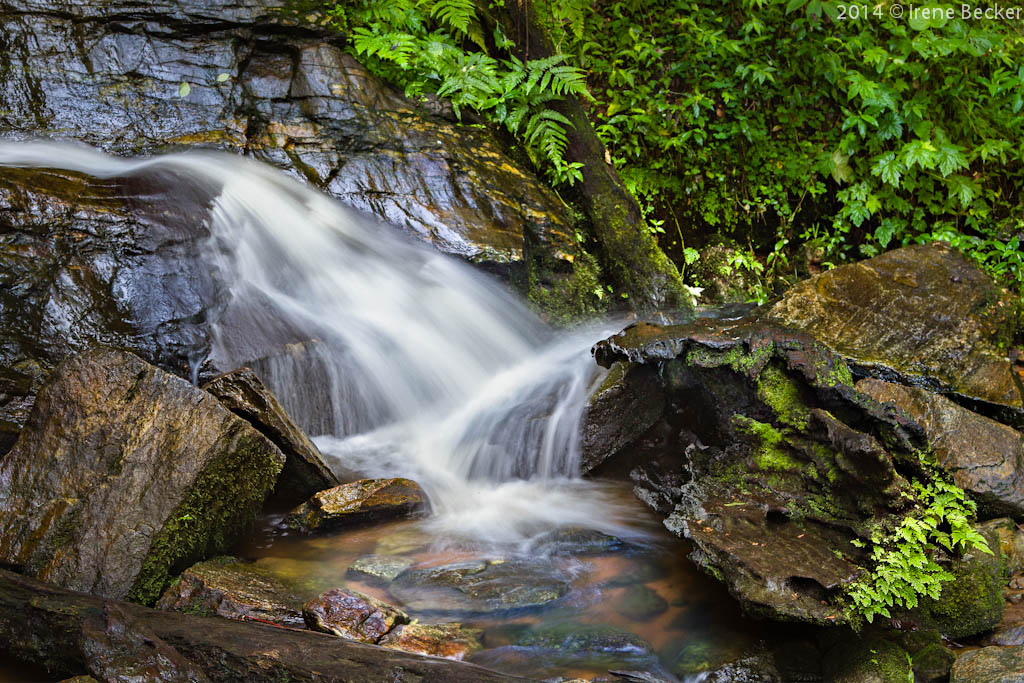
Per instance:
(403,361)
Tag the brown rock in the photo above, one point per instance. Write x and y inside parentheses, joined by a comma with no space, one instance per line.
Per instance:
(244,394)
(352,615)
(234,589)
(986,458)
(124,473)
(367,500)
(922,314)
(450,641)
(626,405)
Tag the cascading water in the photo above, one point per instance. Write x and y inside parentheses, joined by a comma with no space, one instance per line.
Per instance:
(413,363)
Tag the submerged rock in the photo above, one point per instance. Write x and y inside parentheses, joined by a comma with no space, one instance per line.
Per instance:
(576,541)
(367,500)
(640,602)
(985,458)
(228,587)
(921,315)
(785,462)
(379,568)
(989,665)
(305,473)
(450,641)
(352,615)
(480,586)
(581,639)
(124,474)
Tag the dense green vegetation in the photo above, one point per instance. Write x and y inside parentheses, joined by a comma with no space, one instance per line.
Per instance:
(801,132)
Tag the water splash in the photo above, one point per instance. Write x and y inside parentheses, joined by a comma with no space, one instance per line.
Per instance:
(403,361)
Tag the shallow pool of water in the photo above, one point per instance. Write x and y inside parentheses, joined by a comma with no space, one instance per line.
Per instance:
(638,605)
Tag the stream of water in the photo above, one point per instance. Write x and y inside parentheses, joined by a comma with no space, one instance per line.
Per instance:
(414,364)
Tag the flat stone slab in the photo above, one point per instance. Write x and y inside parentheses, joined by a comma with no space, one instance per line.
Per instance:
(367,500)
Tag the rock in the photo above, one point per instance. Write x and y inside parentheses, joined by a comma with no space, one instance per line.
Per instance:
(621,409)
(379,568)
(581,639)
(783,462)
(639,603)
(367,500)
(475,587)
(575,541)
(985,458)
(868,660)
(117,648)
(1014,635)
(989,665)
(230,588)
(352,615)
(921,315)
(305,473)
(450,641)
(972,602)
(756,668)
(931,659)
(125,474)
(42,623)
(1011,542)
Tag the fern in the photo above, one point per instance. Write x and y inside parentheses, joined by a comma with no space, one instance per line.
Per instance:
(456,13)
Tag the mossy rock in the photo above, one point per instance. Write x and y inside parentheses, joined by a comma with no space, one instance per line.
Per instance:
(639,602)
(972,602)
(867,660)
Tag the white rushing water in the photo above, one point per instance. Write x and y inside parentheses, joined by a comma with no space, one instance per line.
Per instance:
(414,364)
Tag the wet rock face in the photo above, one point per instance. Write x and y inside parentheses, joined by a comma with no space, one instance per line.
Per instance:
(125,473)
(785,461)
(359,502)
(626,405)
(234,589)
(305,473)
(985,457)
(352,615)
(920,315)
(260,83)
(450,641)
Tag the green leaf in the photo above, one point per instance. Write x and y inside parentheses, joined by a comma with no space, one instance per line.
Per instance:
(223,77)
(184,89)
(794,5)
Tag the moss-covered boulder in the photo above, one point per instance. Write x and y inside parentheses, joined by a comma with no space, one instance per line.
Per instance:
(972,603)
(985,458)
(229,587)
(922,315)
(780,463)
(867,660)
(126,474)
(989,665)
(305,472)
(359,502)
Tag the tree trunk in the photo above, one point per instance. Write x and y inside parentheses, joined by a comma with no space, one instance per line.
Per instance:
(628,252)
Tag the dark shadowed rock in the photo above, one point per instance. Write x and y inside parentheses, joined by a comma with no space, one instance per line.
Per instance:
(450,641)
(626,405)
(867,660)
(784,463)
(234,589)
(477,587)
(352,615)
(125,473)
(986,458)
(921,315)
(119,649)
(359,502)
(42,623)
(305,473)
(990,665)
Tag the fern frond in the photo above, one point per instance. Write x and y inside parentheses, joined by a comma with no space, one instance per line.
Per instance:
(456,13)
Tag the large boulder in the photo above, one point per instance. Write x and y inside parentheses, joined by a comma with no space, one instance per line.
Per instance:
(775,463)
(921,315)
(624,406)
(990,665)
(125,474)
(305,472)
(985,458)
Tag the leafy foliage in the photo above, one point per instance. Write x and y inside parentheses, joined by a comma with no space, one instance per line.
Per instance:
(904,559)
(810,121)
(439,47)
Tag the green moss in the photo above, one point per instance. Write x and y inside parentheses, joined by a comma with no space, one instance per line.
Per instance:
(219,507)
(768,454)
(571,298)
(783,396)
(832,371)
(737,358)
